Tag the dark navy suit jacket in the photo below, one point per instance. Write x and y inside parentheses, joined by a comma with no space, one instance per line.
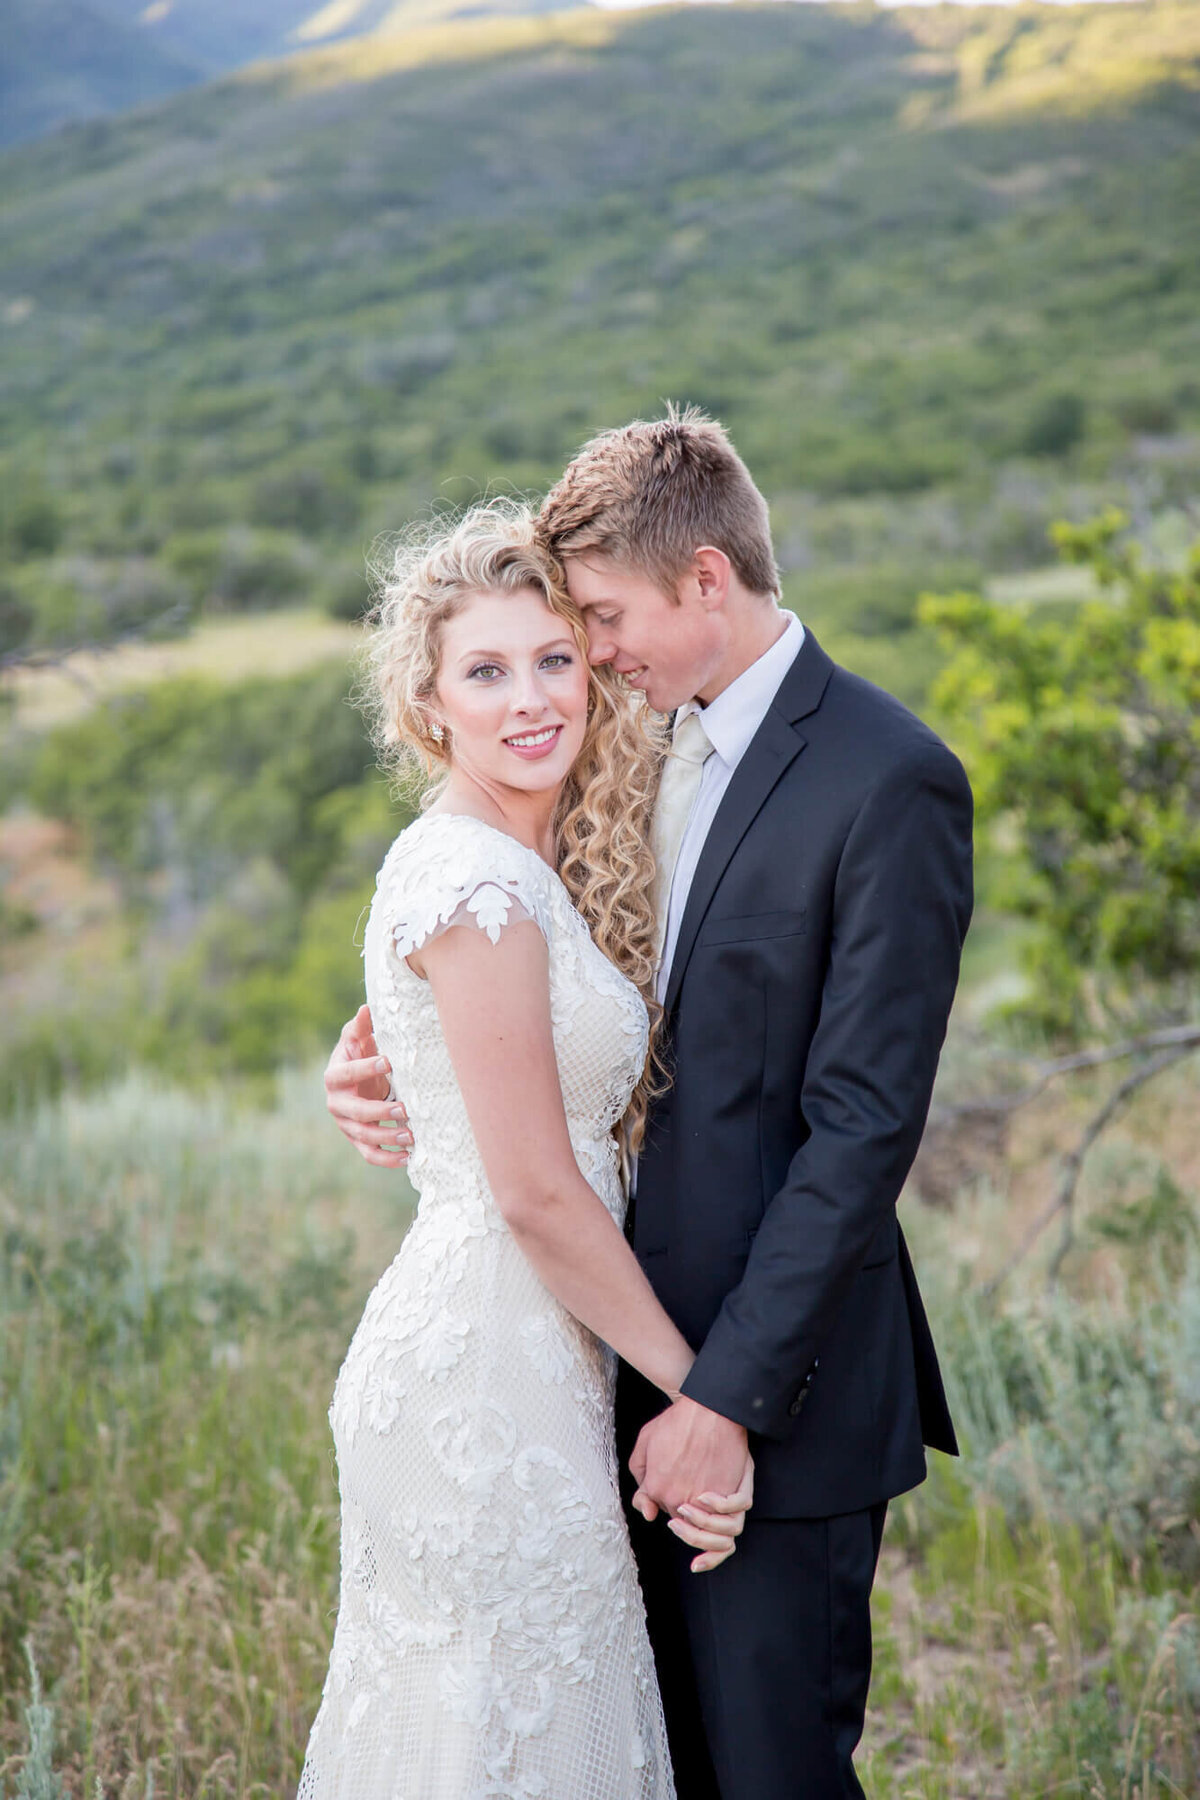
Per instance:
(806,1008)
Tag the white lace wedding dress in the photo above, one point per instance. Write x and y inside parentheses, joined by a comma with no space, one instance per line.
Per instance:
(490,1640)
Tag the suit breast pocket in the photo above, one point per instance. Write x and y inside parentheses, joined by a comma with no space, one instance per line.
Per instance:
(748,926)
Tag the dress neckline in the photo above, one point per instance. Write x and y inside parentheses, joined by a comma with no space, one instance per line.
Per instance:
(497,830)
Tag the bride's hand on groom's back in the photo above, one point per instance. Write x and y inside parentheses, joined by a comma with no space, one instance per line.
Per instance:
(358,1096)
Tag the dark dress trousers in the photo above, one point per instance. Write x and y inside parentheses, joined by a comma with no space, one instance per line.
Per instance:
(806,1008)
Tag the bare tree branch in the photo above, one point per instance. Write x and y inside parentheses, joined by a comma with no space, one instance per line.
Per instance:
(1182,1037)
(1063,1200)
(172,621)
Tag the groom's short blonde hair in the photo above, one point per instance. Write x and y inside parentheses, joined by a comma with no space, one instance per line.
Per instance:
(648,495)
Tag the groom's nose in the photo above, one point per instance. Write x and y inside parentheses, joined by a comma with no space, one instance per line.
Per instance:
(602,646)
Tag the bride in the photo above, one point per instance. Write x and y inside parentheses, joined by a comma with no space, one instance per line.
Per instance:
(491,1642)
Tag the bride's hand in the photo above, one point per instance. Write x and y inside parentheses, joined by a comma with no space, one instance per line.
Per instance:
(713,1523)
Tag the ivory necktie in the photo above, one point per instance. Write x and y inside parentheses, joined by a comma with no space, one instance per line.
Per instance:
(690,750)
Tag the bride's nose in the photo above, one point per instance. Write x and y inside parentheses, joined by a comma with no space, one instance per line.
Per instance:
(529,700)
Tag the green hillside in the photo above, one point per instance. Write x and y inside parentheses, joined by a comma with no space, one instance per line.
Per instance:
(938,269)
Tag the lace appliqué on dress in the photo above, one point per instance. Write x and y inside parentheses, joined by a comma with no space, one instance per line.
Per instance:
(490,906)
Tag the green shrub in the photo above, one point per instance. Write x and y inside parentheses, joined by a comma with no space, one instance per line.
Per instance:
(1056,425)
(240,570)
(33,525)
(17,620)
(311,501)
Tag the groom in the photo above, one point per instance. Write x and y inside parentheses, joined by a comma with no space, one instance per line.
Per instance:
(814,848)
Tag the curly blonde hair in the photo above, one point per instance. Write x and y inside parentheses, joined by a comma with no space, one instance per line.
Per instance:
(602,820)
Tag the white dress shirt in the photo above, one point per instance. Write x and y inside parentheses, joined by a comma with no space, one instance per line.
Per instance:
(730,722)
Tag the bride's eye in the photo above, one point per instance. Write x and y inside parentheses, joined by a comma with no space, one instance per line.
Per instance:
(558,659)
(487,670)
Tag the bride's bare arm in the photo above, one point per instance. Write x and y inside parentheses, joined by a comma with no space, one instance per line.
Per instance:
(493,1001)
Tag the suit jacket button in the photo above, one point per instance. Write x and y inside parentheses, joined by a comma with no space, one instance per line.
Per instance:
(797,1406)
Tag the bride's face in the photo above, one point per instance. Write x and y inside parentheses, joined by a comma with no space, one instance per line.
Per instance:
(512,691)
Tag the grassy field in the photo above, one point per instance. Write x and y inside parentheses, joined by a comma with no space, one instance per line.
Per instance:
(180,1277)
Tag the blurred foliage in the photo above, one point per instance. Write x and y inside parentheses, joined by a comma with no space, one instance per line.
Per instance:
(243,826)
(199,779)
(936,268)
(1082,734)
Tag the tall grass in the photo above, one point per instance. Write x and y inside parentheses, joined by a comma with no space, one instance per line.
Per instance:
(1036,1618)
(180,1276)
(179,1280)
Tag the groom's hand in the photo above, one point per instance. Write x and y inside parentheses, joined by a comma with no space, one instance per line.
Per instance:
(686,1451)
(358,1095)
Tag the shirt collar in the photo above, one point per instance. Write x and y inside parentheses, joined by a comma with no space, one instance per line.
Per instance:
(731,720)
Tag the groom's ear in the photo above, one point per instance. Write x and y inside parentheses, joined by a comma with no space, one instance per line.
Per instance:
(709,577)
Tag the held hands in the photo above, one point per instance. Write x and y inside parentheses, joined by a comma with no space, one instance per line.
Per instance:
(358,1096)
(696,1465)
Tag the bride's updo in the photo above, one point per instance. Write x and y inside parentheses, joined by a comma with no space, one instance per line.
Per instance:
(602,824)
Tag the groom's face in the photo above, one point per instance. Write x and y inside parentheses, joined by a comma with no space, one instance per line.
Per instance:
(667,646)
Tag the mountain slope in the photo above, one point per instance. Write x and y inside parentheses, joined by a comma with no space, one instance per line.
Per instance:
(217,34)
(64,59)
(938,268)
(228,34)
(68,60)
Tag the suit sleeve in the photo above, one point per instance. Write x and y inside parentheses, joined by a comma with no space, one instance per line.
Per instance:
(902,903)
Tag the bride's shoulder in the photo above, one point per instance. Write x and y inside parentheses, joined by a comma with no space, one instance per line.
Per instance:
(457,842)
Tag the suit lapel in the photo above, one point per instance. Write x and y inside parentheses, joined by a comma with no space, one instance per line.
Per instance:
(775,746)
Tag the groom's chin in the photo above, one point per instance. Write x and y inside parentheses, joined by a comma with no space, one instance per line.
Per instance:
(659,697)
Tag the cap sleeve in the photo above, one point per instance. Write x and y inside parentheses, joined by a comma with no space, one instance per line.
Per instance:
(464,874)
(490,907)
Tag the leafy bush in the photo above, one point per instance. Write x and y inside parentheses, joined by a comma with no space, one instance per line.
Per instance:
(190,779)
(1070,1412)
(345,594)
(241,570)
(1080,736)
(32,524)
(877,601)
(1056,426)
(312,501)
